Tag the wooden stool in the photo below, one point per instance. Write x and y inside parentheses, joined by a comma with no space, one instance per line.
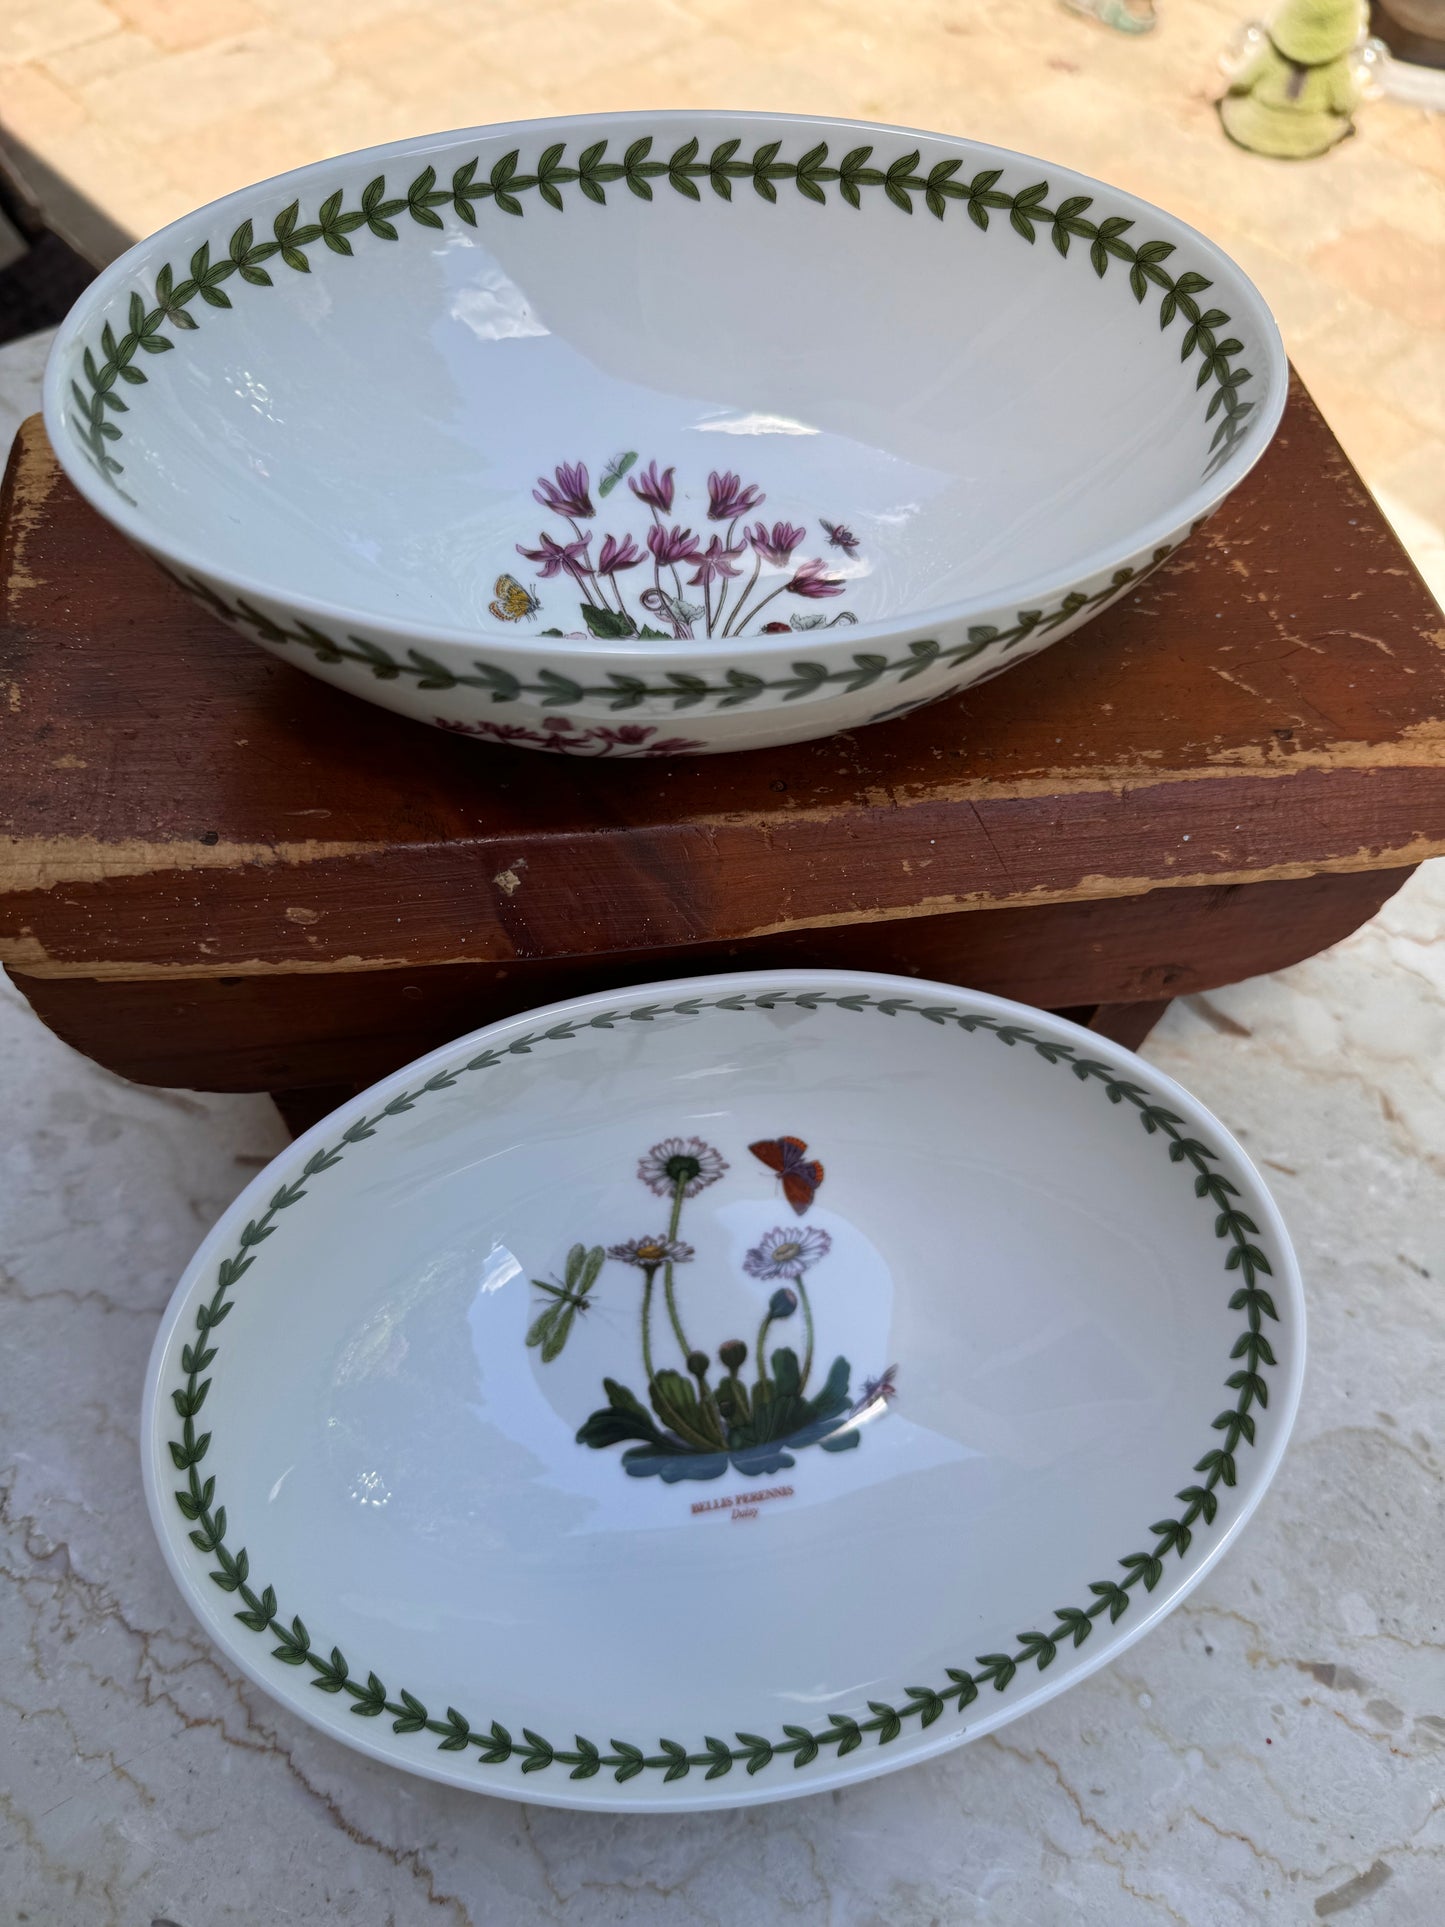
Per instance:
(221,873)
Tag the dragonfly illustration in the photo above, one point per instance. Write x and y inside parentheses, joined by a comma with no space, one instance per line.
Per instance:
(569,1300)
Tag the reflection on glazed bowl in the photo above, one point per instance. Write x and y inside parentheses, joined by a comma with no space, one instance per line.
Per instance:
(650,434)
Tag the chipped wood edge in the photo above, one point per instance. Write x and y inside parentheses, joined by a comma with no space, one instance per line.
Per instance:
(30,864)
(31,476)
(25,954)
(36,864)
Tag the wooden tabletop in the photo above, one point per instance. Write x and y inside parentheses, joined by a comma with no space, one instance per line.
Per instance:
(1270,705)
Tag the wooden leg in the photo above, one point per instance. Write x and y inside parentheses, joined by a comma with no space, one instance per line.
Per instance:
(1126,1024)
(301,1109)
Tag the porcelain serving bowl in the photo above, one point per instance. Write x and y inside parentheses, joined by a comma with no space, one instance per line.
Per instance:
(721,1390)
(647,434)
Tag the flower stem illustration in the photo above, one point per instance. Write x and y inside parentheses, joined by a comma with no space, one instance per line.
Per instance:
(647,1364)
(667,1276)
(692,1426)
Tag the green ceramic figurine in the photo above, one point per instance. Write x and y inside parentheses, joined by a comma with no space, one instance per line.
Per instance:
(1299,78)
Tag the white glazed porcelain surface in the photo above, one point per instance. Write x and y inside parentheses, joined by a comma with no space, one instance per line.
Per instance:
(403,1470)
(351,436)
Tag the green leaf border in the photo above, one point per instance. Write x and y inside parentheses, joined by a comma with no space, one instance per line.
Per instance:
(493,1743)
(174,299)
(731,688)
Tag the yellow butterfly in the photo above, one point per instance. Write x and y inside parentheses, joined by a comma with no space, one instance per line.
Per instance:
(513,602)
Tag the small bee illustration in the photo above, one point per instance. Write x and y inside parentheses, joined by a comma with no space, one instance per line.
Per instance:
(513,602)
(615,471)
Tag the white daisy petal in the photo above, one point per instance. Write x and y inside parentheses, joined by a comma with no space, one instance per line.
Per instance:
(787,1253)
(687,1161)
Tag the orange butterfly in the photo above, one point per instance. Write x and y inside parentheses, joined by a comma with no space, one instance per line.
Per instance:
(801,1175)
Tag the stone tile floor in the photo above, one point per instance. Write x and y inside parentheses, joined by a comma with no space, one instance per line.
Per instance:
(150,107)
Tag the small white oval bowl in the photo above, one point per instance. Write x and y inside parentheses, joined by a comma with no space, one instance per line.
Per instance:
(1059,1311)
(964,398)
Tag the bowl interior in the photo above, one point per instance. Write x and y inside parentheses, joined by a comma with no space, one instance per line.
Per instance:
(402,1459)
(972,407)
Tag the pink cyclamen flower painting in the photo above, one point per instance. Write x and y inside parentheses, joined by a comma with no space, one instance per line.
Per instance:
(553,557)
(778,546)
(728,586)
(728,496)
(568,494)
(812,579)
(671,545)
(654,489)
(618,555)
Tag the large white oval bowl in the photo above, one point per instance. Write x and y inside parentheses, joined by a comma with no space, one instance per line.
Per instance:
(896,409)
(1044,1318)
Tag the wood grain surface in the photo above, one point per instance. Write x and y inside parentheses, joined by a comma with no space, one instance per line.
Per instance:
(285,1030)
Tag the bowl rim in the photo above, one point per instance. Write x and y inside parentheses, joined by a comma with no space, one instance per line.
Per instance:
(1284,1406)
(1186,512)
